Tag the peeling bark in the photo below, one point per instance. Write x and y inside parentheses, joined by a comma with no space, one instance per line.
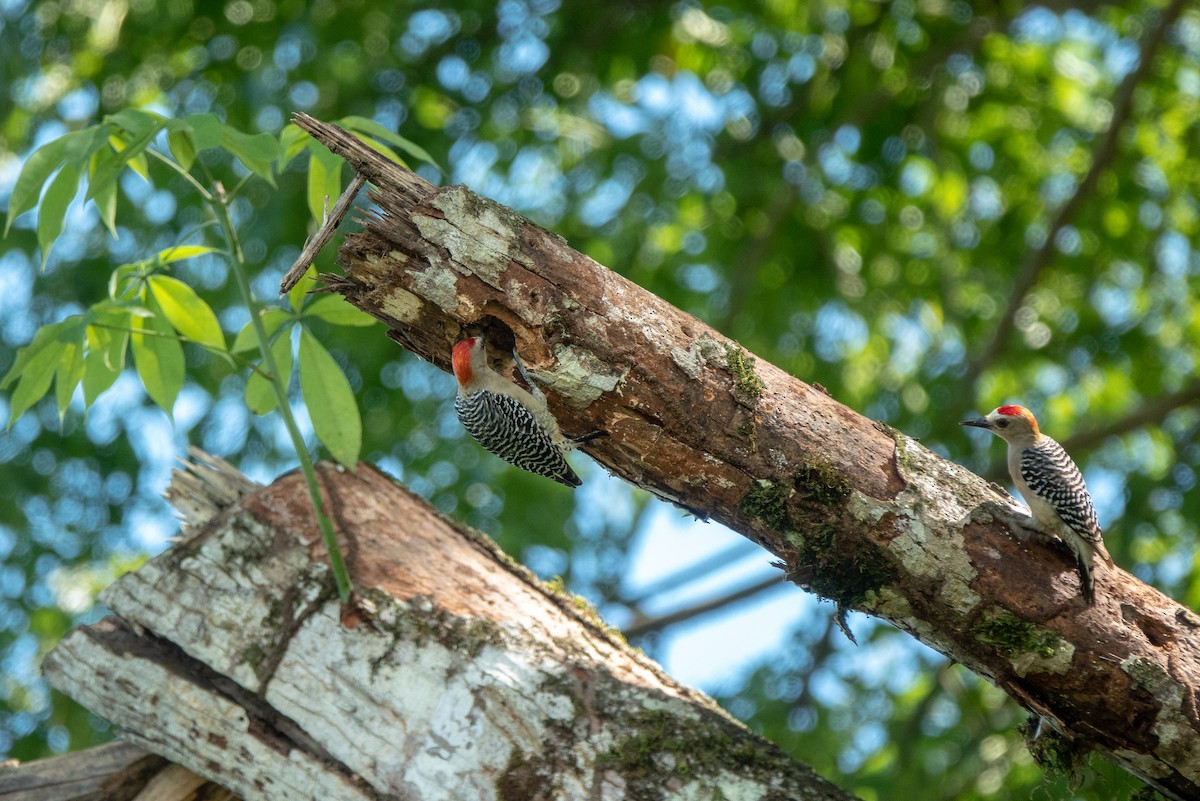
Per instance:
(455,674)
(857,512)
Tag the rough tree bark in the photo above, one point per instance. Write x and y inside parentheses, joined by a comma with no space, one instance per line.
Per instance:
(857,512)
(456,674)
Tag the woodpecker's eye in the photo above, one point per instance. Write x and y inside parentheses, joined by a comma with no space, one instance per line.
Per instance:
(1001,424)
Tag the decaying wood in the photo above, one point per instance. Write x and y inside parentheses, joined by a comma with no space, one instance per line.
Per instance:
(454,675)
(857,512)
(110,772)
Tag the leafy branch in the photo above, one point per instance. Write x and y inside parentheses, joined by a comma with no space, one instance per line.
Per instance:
(150,313)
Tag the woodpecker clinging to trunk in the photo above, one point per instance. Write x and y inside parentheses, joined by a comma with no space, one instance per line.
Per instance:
(508,421)
(1052,486)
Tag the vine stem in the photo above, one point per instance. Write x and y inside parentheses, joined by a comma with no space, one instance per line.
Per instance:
(220,203)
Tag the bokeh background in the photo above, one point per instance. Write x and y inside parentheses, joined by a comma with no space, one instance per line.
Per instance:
(928,206)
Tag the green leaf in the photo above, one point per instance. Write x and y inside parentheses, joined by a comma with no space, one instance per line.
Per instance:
(292,141)
(45,337)
(106,354)
(76,147)
(260,395)
(186,311)
(105,199)
(37,363)
(336,310)
(368,126)
(330,401)
(180,252)
(124,149)
(183,147)
(257,151)
(324,180)
(246,339)
(158,356)
(135,121)
(205,129)
(299,292)
(37,168)
(58,197)
(69,373)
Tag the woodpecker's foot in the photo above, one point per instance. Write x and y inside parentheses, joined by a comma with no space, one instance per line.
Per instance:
(534,388)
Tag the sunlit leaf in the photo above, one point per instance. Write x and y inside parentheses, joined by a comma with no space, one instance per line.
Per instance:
(368,126)
(37,363)
(260,394)
(58,197)
(124,148)
(187,311)
(180,252)
(292,141)
(68,375)
(330,401)
(336,310)
(158,357)
(105,199)
(107,341)
(299,292)
(40,165)
(324,180)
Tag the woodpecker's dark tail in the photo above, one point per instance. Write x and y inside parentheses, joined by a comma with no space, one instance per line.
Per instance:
(591,436)
(1087,581)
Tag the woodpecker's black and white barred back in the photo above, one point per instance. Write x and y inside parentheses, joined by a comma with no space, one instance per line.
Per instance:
(509,421)
(1051,483)
(506,428)
(1053,475)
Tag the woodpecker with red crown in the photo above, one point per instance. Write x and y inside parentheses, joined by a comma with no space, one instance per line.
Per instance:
(1052,485)
(507,420)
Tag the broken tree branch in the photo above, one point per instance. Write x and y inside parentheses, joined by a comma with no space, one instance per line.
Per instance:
(457,674)
(859,512)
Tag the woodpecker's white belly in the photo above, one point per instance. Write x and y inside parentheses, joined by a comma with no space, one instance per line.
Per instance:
(1042,510)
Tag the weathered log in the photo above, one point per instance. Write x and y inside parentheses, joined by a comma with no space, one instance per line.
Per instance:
(455,674)
(857,512)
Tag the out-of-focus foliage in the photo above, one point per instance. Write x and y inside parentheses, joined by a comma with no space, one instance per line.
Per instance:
(852,189)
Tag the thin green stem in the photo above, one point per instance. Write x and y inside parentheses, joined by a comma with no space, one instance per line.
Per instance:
(238,261)
(199,187)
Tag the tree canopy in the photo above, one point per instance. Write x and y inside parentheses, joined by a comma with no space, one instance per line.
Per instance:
(927,208)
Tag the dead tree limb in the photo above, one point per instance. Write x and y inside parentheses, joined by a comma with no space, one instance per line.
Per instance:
(456,675)
(858,512)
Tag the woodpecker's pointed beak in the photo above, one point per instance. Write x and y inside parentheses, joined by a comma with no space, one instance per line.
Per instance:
(978,422)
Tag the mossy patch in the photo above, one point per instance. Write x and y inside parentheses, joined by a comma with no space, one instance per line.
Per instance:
(1054,753)
(767,500)
(664,742)
(584,607)
(253,656)
(1012,636)
(822,483)
(846,576)
(747,386)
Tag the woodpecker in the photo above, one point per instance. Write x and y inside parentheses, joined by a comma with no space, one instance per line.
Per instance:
(1052,485)
(508,421)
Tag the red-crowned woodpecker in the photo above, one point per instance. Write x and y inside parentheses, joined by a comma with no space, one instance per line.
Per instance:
(508,421)
(1052,486)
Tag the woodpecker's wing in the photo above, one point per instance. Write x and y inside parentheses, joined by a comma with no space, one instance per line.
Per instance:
(1051,473)
(502,425)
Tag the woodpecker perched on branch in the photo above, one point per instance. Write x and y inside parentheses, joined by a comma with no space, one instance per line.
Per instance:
(1052,486)
(508,421)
